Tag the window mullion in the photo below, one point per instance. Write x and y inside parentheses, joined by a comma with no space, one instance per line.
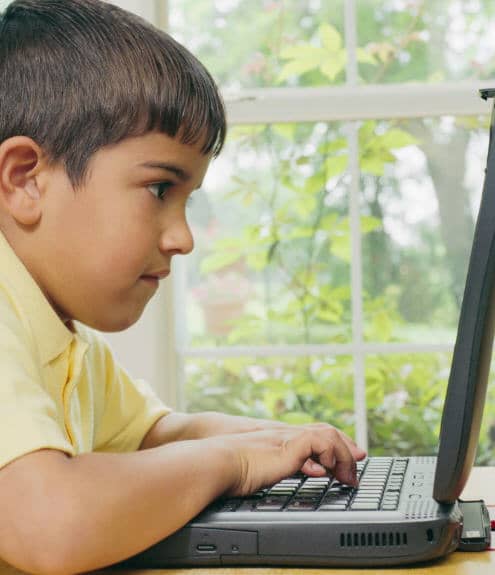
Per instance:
(361,430)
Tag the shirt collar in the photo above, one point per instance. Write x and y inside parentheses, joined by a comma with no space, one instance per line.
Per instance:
(52,336)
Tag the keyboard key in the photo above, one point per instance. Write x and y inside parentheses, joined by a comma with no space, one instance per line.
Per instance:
(332,507)
(272,504)
(302,505)
(364,506)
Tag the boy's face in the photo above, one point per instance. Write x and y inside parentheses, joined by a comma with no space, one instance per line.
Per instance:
(107,244)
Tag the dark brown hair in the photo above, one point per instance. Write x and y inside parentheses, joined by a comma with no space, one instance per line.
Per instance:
(77,75)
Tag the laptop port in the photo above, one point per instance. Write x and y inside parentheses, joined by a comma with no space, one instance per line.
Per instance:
(206,548)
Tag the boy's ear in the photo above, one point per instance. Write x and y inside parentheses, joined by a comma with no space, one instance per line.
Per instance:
(20,162)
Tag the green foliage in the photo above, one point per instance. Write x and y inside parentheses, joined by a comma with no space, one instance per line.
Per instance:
(292,390)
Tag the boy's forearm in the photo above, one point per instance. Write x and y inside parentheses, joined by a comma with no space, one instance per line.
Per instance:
(174,426)
(182,426)
(111,506)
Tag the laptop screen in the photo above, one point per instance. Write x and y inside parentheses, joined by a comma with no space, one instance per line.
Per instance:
(466,391)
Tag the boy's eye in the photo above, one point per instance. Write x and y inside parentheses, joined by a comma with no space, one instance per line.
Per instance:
(159,189)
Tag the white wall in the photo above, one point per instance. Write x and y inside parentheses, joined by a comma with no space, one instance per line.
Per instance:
(142,349)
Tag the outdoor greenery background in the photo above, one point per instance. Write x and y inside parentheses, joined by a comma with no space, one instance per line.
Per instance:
(272,262)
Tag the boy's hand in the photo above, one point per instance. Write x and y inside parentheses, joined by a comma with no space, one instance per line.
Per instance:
(264,457)
(210,425)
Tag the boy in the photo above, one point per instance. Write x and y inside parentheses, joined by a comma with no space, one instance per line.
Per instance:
(106,127)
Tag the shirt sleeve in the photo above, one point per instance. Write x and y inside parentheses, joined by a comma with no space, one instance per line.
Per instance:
(28,415)
(131,407)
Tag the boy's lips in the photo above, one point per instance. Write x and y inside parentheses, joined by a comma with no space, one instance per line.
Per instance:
(156,275)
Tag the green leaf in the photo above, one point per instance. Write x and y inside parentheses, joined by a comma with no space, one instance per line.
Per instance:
(336,165)
(333,65)
(340,247)
(304,205)
(328,315)
(372,165)
(313,184)
(336,145)
(299,233)
(287,131)
(291,52)
(302,59)
(370,224)
(330,37)
(396,138)
(366,133)
(257,260)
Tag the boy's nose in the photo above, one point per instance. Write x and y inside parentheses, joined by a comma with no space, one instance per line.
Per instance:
(177,238)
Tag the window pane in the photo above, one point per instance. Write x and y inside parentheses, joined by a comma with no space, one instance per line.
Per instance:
(405,394)
(271,264)
(425,41)
(264,42)
(421,180)
(297,390)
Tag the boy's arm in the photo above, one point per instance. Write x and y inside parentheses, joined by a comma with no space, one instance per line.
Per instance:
(64,515)
(182,426)
(177,426)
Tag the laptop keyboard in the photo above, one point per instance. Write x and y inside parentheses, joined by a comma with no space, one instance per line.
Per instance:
(380,483)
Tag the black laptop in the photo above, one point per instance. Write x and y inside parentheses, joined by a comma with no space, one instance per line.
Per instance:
(405,509)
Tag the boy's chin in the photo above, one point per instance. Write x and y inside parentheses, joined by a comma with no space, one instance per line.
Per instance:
(113,322)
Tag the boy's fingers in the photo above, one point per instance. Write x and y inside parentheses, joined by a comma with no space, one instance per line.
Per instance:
(335,455)
(313,468)
(356,451)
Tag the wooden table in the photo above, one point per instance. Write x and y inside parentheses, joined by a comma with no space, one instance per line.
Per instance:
(481,485)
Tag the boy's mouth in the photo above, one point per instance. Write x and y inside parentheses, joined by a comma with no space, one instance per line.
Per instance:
(155,276)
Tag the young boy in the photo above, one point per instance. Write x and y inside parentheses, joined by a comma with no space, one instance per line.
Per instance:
(107,125)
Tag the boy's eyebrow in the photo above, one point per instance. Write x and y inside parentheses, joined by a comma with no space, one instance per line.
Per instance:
(179,172)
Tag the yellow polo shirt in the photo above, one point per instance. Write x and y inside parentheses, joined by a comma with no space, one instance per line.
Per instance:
(61,389)
(58,389)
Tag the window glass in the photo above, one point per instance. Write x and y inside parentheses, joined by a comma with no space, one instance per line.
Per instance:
(271,264)
(421,182)
(425,41)
(296,390)
(264,42)
(405,394)
(301,42)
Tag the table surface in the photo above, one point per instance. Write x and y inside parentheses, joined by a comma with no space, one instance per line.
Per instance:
(481,485)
